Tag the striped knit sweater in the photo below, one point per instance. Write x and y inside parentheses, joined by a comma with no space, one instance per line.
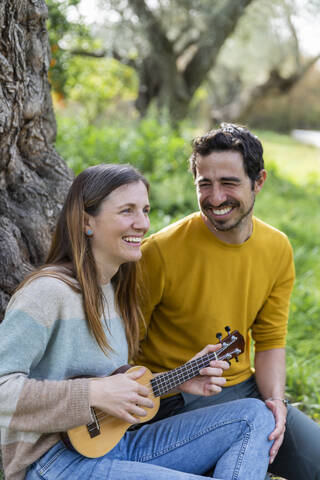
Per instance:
(45,341)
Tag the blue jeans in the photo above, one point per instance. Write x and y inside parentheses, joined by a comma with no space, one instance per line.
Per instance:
(299,455)
(232,437)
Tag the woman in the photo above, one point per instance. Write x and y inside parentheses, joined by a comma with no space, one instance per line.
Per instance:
(77,316)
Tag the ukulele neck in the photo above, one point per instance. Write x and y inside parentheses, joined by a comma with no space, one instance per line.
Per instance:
(163,383)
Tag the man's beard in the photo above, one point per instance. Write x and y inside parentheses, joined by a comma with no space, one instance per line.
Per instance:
(223,226)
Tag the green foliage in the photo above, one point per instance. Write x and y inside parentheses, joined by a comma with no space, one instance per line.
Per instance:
(62,30)
(290,201)
(100,87)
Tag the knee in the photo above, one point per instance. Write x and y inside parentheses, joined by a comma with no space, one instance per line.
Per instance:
(259,414)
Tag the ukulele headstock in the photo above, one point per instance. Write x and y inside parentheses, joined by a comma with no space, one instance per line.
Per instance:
(232,345)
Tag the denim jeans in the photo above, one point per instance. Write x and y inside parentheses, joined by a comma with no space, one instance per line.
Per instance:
(233,437)
(299,455)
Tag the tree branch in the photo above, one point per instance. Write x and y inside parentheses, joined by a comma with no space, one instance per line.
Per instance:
(220,25)
(154,31)
(85,53)
(293,31)
(245,102)
(105,54)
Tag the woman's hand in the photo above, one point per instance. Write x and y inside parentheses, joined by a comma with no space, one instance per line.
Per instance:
(121,395)
(210,380)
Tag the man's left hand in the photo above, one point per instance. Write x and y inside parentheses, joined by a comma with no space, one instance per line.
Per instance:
(210,380)
(279,411)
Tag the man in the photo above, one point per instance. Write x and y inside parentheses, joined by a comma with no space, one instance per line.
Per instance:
(222,266)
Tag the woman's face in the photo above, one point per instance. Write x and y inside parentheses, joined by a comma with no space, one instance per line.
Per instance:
(120,225)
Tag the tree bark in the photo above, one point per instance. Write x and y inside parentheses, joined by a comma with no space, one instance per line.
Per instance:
(33,177)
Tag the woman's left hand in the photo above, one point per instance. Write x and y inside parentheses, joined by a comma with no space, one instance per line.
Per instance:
(210,380)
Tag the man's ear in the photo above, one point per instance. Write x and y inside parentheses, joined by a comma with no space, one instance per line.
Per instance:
(258,184)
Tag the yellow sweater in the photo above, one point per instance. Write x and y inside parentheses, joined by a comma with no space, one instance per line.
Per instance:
(194,285)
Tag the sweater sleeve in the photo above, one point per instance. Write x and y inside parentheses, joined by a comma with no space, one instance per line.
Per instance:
(270,327)
(151,280)
(29,404)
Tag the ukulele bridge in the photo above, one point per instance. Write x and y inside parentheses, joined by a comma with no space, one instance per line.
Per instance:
(94,427)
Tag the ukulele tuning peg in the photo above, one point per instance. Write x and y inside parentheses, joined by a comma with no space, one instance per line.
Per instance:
(227,329)
(219,336)
(237,359)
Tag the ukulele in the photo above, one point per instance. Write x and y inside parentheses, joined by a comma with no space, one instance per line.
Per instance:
(99,437)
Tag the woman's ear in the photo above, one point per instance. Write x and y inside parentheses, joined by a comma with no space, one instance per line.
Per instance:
(87,225)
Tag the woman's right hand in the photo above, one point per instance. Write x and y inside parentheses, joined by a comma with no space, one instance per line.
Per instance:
(121,395)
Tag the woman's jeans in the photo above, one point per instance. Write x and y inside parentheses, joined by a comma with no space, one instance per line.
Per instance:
(233,437)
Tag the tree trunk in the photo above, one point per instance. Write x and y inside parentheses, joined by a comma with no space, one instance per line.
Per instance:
(161,81)
(33,177)
(159,75)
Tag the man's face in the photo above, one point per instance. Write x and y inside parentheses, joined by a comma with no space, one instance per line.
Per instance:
(225,194)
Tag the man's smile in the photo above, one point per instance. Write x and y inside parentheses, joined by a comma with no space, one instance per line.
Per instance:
(221,211)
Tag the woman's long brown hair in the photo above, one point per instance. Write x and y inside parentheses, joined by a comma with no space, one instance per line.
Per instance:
(70,256)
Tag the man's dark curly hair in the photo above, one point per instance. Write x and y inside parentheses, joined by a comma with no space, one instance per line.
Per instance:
(231,137)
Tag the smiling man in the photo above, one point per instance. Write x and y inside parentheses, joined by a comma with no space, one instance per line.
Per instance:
(223,266)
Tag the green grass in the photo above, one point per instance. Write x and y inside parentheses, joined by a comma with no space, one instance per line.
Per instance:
(289,200)
(295,161)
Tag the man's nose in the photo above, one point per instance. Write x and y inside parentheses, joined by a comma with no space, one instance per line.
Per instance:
(217,195)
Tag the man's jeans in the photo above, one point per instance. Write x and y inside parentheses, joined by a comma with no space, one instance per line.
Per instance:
(232,436)
(299,455)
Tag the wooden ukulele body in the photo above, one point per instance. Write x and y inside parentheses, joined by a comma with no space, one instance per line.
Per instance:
(100,441)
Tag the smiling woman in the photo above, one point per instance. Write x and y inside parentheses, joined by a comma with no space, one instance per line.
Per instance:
(71,324)
(118,228)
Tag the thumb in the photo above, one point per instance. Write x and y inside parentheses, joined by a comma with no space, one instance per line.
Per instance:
(270,404)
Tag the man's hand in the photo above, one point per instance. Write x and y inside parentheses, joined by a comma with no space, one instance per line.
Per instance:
(210,380)
(279,411)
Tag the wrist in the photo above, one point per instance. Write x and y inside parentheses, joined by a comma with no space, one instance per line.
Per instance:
(93,392)
(285,401)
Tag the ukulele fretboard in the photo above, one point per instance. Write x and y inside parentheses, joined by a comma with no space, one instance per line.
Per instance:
(162,384)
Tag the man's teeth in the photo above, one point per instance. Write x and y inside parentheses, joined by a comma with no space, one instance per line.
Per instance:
(132,239)
(222,211)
